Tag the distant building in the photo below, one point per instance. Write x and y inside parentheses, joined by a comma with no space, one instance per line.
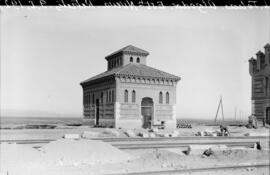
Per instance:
(130,94)
(259,70)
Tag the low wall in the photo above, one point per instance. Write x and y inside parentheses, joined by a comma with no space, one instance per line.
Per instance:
(129,124)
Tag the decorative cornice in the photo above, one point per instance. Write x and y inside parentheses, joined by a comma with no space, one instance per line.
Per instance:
(135,53)
(114,55)
(147,77)
(147,80)
(125,52)
(99,80)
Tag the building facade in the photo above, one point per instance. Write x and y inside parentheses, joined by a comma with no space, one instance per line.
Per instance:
(130,94)
(259,70)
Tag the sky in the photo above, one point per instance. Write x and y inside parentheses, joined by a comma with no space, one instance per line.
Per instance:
(47,52)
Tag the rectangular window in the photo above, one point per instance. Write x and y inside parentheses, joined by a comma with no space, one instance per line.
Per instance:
(112,95)
(107,97)
(89,98)
(101,98)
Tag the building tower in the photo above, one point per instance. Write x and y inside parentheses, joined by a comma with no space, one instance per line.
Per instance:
(259,70)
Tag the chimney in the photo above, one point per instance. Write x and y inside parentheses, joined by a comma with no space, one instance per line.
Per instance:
(267,53)
(259,59)
(252,65)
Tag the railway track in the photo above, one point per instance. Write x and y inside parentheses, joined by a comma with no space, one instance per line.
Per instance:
(161,142)
(128,139)
(199,170)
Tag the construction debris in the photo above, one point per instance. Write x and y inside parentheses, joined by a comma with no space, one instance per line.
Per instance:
(71,136)
(130,133)
(175,133)
(204,149)
(168,133)
(208,152)
(89,134)
(152,135)
(143,134)
(112,132)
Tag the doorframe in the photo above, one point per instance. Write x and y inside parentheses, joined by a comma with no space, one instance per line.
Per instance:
(152,111)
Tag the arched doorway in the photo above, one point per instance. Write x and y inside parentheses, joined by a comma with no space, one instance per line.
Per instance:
(268,115)
(147,111)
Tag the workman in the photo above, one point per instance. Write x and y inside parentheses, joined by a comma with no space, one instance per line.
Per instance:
(224,130)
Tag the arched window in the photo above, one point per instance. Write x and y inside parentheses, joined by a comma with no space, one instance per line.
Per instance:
(138,60)
(167,98)
(131,59)
(133,96)
(126,96)
(160,98)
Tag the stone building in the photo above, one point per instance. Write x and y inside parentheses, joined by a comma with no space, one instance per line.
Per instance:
(259,70)
(130,94)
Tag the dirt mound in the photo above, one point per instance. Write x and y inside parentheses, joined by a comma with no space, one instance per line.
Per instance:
(11,151)
(79,152)
(19,159)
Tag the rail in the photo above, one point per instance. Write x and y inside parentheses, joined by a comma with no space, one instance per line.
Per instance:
(152,143)
(198,170)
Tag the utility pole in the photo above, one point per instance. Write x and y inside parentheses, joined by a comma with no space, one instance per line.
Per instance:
(220,105)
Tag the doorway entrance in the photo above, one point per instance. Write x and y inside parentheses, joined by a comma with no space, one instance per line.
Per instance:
(97,112)
(147,111)
(267,115)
